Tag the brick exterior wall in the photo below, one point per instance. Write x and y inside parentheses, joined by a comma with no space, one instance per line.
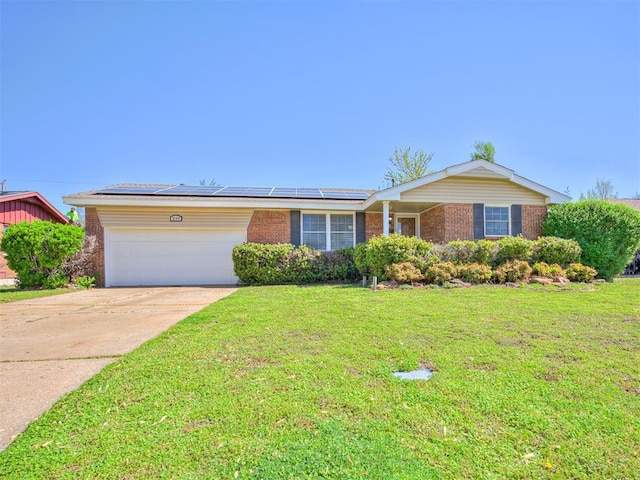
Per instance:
(448,222)
(92,226)
(532,218)
(458,221)
(270,226)
(454,221)
(432,225)
(373,225)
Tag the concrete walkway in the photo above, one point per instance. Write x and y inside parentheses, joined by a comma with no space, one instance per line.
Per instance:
(50,346)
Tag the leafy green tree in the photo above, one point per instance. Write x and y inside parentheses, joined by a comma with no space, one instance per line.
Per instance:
(39,251)
(603,191)
(608,233)
(483,151)
(406,167)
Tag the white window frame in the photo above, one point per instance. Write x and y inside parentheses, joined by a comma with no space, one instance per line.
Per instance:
(328,246)
(508,207)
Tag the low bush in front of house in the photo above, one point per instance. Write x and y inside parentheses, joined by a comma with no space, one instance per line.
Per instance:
(513,271)
(271,264)
(410,260)
(405,272)
(543,269)
(511,249)
(555,250)
(475,272)
(580,273)
(373,258)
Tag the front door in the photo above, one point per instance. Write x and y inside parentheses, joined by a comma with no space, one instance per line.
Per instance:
(407,226)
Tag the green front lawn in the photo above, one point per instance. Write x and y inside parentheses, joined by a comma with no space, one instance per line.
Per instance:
(296,383)
(13,294)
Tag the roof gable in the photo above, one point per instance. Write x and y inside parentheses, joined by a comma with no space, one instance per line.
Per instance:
(36,198)
(472,169)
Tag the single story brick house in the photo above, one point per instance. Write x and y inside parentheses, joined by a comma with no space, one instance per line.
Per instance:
(23,206)
(182,235)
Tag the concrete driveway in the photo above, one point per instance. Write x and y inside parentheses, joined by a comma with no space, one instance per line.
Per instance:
(52,345)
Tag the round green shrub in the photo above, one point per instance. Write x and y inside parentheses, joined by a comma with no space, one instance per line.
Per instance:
(543,269)
(608,233)
(405,272)
(474,272)
(261,264)
(439,273)
(561,251)
(576,272)
(513,248)
(381,251)
(38,252)
(515,271)
(486,251)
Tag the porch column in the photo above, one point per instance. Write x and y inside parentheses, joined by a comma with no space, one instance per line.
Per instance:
(385,218)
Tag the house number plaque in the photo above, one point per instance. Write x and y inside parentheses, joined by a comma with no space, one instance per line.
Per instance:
(175,218)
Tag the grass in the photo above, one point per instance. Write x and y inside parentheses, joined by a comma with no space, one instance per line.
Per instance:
(13,294)
(295,383)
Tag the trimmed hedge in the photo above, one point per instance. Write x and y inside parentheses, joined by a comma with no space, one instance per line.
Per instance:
(405,260)
(271,264)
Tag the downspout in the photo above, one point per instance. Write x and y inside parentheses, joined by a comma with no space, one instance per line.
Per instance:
(385,218)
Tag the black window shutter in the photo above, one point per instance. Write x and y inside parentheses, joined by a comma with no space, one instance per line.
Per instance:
(295,228)
(361,225)
(478,221)
(516,220)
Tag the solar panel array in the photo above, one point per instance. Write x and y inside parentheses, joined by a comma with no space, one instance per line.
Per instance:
(246,192)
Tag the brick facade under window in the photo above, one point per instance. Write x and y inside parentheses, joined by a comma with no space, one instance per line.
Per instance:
(432,225)
(270,226)
(532,218)
(448,222)
(458,221)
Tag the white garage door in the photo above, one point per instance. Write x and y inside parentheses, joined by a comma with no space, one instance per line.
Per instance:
(171,257)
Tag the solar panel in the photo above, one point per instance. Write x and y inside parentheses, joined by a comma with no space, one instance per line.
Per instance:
(186,190)
(233,192)
(283,192)
(221,191)
(308,193)
(345,195)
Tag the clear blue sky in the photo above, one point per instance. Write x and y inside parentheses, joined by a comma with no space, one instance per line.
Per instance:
(316,94)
